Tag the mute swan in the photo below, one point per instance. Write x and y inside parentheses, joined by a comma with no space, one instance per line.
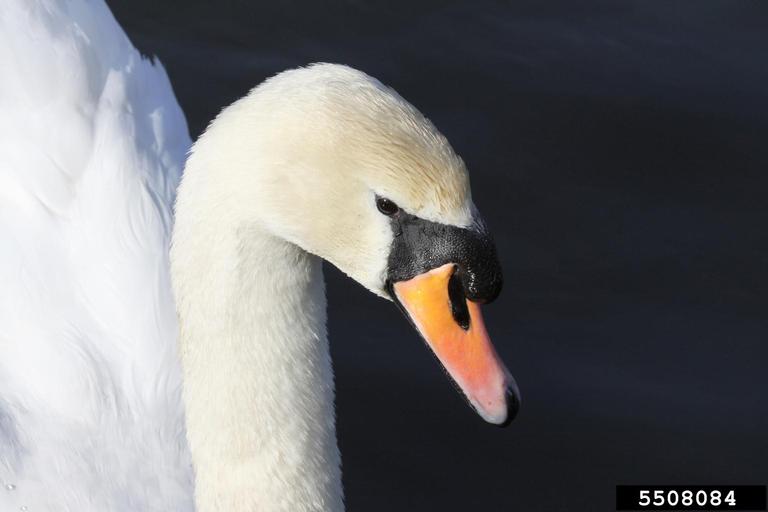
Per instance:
(322,162)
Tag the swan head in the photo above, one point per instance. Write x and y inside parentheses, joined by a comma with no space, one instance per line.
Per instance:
(331,160)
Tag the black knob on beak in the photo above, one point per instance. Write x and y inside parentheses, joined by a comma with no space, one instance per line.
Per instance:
(420,245)
(478,265)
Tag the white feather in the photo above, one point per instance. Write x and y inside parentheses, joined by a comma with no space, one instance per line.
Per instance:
(92,142)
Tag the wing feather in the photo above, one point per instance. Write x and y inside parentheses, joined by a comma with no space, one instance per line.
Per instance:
(92,143)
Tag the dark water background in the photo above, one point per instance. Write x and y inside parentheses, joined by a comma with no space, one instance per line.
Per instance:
(619,152)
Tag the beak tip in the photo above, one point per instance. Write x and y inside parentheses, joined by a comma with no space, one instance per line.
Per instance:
(513,404)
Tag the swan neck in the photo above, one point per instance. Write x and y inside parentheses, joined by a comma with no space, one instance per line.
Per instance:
(258,383)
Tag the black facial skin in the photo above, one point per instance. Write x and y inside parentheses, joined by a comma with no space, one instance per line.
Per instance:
(420,245)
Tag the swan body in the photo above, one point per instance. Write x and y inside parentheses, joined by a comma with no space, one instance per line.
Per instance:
(91,147)
(317,163)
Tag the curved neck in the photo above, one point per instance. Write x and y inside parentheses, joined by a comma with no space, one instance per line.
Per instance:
(258,383)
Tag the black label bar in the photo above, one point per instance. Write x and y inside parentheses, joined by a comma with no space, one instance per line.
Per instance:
(690,497)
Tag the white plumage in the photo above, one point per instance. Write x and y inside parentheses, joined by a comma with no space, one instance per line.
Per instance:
(92,143)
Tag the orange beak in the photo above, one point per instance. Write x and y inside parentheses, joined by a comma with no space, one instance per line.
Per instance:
(453,328)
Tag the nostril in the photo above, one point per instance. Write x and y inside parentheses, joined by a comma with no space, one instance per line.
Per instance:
(458,301)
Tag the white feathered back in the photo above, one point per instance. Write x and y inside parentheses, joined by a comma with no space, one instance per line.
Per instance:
(92,143)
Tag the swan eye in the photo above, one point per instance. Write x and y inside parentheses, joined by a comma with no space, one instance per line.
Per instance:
(386,206)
